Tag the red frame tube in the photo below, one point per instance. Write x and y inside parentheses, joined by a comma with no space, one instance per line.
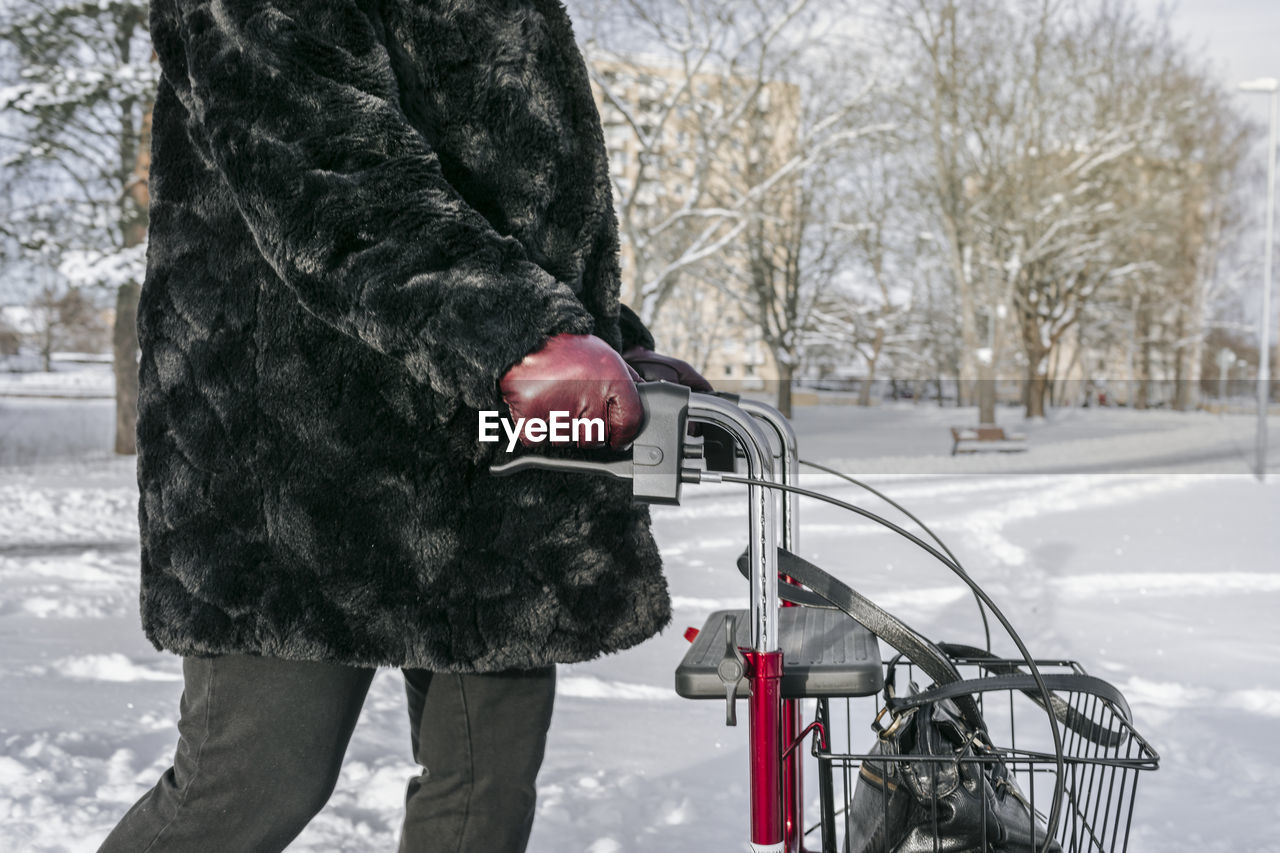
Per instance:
(792,775)
(764,708)
(792,783)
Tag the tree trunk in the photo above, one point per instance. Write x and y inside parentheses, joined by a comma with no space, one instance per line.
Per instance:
(124,336)
(124,339)
(1181,387)
(1039,375)
(1186,379)
(1142,356)
(986,394)
(785,373)
(864,390)
(864,393)
(1143,399)
(1075,367)
(46,342)
(1037,387)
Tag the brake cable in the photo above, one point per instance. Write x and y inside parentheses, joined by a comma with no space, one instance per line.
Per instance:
(982,610)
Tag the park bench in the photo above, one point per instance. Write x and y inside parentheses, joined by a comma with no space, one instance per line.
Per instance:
(971,439)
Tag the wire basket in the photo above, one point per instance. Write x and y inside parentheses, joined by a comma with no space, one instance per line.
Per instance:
(1100,780)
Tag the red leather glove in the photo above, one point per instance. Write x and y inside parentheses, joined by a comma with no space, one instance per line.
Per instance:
(653,366)
(581,375)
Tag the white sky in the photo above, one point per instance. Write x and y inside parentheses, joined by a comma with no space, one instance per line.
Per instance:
(1241,37)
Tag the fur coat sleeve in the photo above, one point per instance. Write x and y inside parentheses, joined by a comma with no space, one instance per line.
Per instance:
(295,104)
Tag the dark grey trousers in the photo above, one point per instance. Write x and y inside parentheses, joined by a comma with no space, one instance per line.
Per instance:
(261,741)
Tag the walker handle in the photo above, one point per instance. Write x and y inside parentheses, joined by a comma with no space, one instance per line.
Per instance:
(656,466)
(655,461)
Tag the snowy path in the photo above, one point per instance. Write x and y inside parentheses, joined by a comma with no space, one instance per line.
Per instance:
(1166,584)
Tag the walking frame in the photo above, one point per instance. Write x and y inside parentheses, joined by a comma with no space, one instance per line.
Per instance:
(793,644)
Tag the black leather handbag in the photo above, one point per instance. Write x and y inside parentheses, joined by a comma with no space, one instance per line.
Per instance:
(945,790)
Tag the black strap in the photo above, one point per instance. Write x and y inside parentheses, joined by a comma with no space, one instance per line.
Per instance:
(1064,711)
(1066,714)
(795,594)
(932,660)
(935,660)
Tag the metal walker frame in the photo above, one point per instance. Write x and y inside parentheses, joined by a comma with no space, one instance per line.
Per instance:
(663,458)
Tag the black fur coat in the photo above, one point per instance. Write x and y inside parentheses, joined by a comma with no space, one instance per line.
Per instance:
(362,213)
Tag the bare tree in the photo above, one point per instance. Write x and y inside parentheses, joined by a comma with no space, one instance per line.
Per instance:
(1073,153)
(688,90)
(801,241)
(970,71)
(65,319)
(694,329)
(76,157)
(1173,184)
(875,187)
(774,277)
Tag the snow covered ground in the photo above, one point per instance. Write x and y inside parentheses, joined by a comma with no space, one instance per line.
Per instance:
(76,375)
(1137,543)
